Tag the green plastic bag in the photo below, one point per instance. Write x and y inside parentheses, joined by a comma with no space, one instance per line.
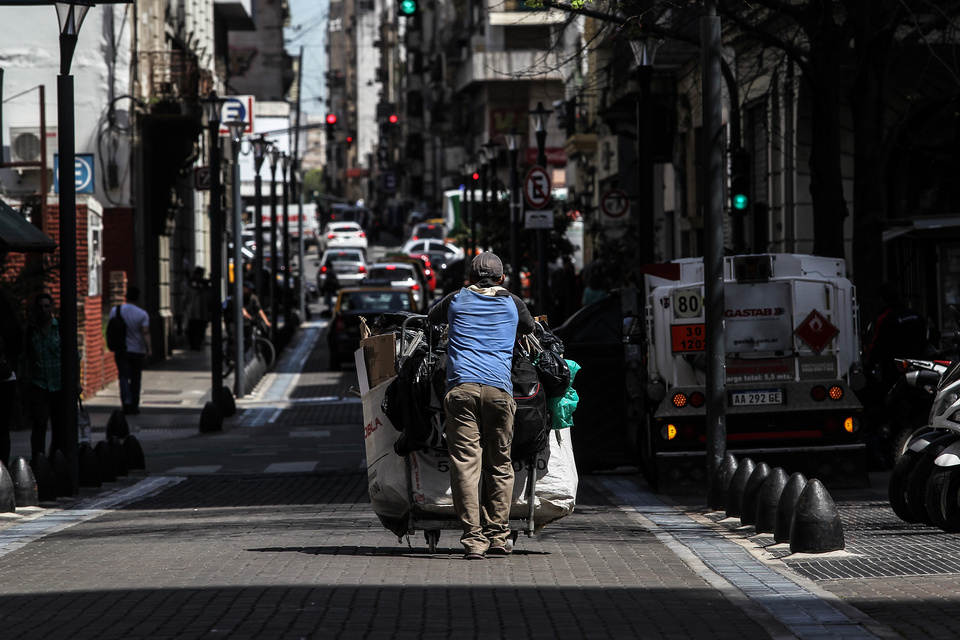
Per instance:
(563,407)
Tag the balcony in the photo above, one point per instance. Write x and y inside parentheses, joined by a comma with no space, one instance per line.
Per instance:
(526,66)
(174,76)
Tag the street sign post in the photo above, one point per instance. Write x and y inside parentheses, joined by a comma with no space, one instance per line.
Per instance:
(236,108)
(536,187)
(614,204)
(538,219)
(84,173)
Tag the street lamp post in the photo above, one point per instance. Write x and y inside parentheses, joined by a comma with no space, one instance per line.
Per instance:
(484,178)
(260,148)
(643,51)
(540,117)
(513,145)
(274,156)
(213,105)
(71,18)
(236,138)
(490,148)
(470,169)
(284,166)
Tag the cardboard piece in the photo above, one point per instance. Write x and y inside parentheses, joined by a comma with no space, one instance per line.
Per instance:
(379,357)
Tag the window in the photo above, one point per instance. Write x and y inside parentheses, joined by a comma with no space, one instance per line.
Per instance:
(95,255)
(527,37)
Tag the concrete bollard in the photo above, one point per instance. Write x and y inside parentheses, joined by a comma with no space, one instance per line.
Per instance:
(117,425)
(737,484)
(767,502)
(816,526)
(118,456)
(785,506)
(210,418)
(24,484)
(751,494)
(135,458)
(717,500)
(107,471)
(63,484)
(88,467)
(46,482)
(8,497)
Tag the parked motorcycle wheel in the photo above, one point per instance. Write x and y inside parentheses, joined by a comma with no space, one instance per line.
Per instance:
(934,497)
(896,491)
(916,484)
(903,436)
(950,501)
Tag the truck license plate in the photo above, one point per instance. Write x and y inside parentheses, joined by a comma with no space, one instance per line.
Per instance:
(756,397)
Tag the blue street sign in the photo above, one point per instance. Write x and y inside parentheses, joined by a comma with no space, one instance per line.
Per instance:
(84,172)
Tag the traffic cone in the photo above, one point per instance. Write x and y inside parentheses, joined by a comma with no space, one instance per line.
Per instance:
(785,506)
(8,498)
(46,482)
(63,485)
(767,502)
(721,483)
(107,471)
(117,425)
(737,484)
(118,456)
(210,418)
(751,494)
(24,484)
(135,458)
(88,467)
(816,526)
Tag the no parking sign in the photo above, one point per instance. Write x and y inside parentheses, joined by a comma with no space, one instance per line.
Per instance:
(614,204)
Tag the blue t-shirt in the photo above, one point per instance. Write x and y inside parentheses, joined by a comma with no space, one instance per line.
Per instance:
(481,333)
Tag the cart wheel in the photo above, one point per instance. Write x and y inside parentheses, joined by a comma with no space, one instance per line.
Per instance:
(431,537)
(513,537)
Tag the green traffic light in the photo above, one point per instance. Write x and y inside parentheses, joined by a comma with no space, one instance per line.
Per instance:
(741,201)
(408,7)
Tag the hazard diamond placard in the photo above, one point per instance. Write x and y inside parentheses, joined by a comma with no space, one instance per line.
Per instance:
(816,331)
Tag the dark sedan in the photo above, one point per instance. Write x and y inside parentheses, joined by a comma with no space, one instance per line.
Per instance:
(343,333)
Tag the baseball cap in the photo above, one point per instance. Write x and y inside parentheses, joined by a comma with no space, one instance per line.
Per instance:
(486,265)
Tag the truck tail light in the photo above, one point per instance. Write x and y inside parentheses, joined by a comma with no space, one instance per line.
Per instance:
(851,424)
(697,399)
(836,392)
(818,393)
(669,431)
(679,400)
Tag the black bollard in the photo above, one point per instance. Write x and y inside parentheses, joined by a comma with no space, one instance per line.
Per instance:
(117,456)
(210,418)
(46,481)
(88,467)
(737,484)
(107,471)
(767,502)
(135,458)
(228,406)
(8,497)
(24,484)
(785,506)
(117,425)
(751,494)
(61,474)
(717,500)
(816,526)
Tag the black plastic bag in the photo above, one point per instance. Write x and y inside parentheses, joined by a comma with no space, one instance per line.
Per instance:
(553,372)
(531,417)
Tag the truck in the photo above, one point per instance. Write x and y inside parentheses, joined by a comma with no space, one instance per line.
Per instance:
(792,366)
(311,225)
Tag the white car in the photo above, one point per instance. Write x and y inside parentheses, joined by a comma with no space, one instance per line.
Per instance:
(428,245)
(343,235)
(397,275)
(349,265)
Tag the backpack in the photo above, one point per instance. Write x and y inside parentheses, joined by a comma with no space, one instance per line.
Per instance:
(530,419)
(117,332)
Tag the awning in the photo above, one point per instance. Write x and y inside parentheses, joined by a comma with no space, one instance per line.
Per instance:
(17,234)
(933,224)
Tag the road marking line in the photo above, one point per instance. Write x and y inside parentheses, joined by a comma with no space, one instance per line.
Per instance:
(324,433)
(196,471)
(291,467)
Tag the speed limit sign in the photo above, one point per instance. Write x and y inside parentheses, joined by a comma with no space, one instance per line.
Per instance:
(614,203)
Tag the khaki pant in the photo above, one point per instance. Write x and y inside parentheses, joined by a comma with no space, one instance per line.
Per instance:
(479,430)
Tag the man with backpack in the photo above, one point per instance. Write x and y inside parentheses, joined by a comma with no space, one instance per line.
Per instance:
(136,348)
(483,321)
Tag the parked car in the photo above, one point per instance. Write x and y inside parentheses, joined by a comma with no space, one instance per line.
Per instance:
(343,334)
(343,235)
(349,264)
(428,245)
(400,275)
(428,279)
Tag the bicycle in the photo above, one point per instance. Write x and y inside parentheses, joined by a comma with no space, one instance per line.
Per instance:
(257,339)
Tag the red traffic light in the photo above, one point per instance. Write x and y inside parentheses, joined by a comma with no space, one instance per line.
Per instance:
(331,118)
(476,176)
(349,139)
(393,118)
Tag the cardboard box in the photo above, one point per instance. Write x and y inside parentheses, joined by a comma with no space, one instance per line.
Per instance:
(379,358)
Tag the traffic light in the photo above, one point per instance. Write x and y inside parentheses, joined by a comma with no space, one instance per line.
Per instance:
(331,124)
(350,137)
(393,118)
(408,8)
(740,181)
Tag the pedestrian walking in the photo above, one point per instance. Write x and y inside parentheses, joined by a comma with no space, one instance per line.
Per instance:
(331,285)
(483,320)
(11,344)
(40,376)
(130,361)
(198,309)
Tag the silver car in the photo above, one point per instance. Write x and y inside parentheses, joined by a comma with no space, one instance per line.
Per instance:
(398,275)
(349,265)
